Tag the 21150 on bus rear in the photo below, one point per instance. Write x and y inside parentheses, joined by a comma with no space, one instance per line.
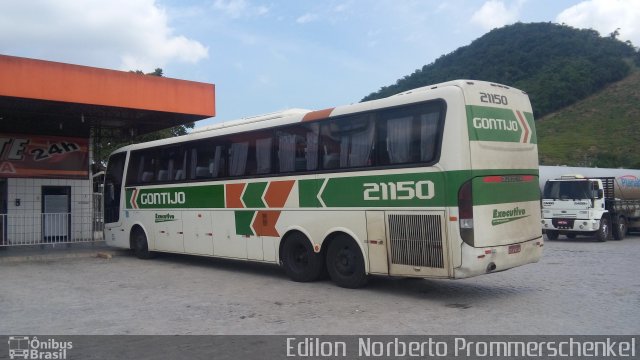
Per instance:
(437,182)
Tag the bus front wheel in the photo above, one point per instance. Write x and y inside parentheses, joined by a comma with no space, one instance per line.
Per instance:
(139,244)
(299,260)
(345,263)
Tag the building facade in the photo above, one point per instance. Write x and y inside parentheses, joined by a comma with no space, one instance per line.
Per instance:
(51,114)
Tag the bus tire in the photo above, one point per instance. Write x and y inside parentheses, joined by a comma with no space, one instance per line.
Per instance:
(139,244)
(620,229)
(552,234)
(604,232)
(299,260)
(345,263)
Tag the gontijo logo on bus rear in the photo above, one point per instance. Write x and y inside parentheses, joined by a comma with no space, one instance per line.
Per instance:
(487,123)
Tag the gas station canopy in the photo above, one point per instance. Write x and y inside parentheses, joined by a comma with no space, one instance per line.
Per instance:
(44,97)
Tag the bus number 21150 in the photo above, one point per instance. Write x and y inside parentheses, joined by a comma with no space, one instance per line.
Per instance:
(401,190)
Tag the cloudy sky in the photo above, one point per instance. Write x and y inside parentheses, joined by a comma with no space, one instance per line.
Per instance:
(270,55)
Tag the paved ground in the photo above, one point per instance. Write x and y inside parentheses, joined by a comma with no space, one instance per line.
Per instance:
(580,287)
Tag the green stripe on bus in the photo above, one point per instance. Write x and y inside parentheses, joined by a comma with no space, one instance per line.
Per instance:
(308,193)
(243,222)
(252,197)
(429,189)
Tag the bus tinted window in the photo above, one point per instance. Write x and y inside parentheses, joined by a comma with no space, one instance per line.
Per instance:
(409,135)
(142,167)
(208,159)
(347,142)
(250,153)
(398,136)
(172,164)
(298,148)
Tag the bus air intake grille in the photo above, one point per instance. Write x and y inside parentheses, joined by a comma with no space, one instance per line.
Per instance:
(416,240)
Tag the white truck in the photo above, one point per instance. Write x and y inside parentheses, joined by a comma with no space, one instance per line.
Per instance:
(589,201)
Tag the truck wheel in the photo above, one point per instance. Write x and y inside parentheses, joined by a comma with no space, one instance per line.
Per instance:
(571,235)
(299,260)
(604,232)
(345,263)
(552,234)
(620,229)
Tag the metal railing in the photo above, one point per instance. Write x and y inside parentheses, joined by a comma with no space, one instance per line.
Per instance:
(49,228)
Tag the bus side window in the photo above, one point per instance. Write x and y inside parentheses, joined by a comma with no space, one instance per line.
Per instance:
(238,158)
(348,142)
(207,160)
(148,166)
(170,162)
(297,148)
(286,151)
(408,136)
(263,155)
(428,135)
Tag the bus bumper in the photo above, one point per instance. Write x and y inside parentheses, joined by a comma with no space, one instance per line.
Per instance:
(478,261)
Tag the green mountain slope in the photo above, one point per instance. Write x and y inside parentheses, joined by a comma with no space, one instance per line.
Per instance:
(602,130)
(556,64)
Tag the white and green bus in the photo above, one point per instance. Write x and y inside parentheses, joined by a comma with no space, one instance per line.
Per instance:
(436,182)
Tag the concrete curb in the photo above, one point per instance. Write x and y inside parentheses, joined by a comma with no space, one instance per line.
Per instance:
(44,255)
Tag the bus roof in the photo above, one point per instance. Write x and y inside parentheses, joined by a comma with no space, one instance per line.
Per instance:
(298,115)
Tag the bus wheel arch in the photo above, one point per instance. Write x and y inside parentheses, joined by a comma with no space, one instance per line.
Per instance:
(139,243)
(298,258)
(345,260)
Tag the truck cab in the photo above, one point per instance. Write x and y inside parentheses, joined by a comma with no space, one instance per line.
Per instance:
(573,205)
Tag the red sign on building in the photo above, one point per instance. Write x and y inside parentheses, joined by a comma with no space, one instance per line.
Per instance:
(43,156)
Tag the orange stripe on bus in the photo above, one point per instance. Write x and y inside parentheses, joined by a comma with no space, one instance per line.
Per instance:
(278,193)
(264,223)
(317,115)
(233,195)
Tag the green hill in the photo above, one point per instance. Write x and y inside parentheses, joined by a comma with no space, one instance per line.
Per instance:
(558,66)
(602,130)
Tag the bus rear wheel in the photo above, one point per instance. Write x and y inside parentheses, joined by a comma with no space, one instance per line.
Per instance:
(139,244)
(552,234)
(345,263)
(299,260)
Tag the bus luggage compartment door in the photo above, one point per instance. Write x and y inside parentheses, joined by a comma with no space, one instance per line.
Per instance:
(416,243)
